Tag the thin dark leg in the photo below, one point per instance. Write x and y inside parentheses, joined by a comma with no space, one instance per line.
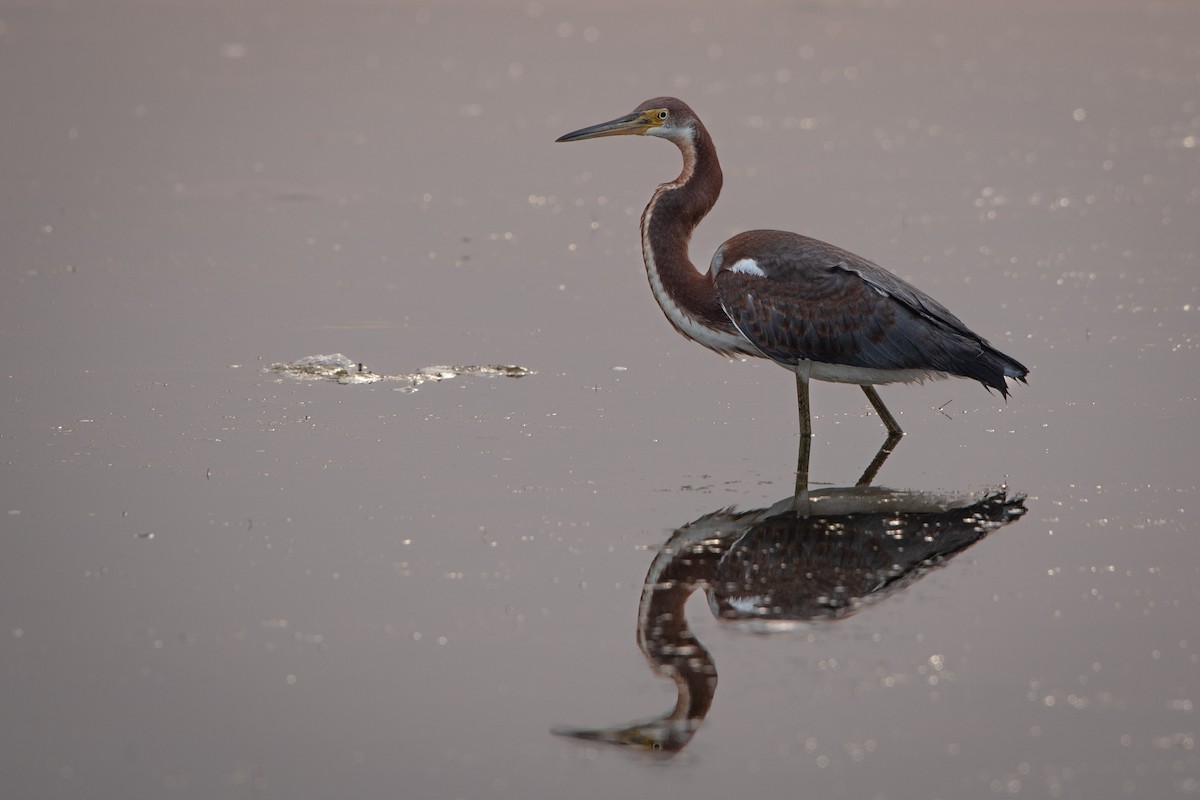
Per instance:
(885,416)
(805,450)
(885,450)
(894,434)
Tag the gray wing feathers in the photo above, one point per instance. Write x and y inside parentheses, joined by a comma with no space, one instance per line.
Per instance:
(816,301)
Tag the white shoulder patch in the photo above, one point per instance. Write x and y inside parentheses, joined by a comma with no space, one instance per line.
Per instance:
(748,266)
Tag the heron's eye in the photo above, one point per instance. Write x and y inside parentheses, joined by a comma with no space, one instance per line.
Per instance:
(662,115)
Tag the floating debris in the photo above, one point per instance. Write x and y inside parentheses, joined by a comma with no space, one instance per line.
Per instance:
(339,368)
(335,367)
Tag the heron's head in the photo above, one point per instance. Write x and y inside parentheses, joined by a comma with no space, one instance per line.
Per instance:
(666,117)
(660,735)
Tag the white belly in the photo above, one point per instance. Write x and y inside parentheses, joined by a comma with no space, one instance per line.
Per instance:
(862,376)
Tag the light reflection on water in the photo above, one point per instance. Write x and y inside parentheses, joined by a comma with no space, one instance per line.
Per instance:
(772,570)
(193,186)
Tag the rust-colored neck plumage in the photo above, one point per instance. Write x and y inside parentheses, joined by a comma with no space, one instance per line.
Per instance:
(663,632)
(667,224)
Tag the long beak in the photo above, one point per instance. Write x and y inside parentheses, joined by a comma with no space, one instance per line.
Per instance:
(635,123)
(652,735)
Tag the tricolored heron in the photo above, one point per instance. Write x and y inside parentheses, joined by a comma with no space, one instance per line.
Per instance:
(813,308)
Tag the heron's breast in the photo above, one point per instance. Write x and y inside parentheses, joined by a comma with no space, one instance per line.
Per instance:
(726,339)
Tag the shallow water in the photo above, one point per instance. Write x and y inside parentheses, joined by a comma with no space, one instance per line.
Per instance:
(218,579)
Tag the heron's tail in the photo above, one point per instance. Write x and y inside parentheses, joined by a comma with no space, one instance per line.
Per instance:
(1001,367)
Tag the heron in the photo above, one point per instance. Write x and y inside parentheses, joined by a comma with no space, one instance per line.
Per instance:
(815,309)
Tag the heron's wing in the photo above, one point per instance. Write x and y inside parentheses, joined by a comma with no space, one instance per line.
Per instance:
(797,298)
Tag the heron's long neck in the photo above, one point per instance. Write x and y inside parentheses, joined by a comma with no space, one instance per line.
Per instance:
(667,224)
(663,633)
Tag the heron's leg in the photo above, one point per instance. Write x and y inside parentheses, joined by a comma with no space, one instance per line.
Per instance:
(894,434)
(805,449)
(885,416)
(885,450)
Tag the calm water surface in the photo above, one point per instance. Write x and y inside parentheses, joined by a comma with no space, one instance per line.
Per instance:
(219,580)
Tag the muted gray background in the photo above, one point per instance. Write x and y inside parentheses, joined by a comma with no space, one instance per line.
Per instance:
(216,582)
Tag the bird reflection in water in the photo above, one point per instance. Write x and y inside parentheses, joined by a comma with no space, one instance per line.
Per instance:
(822,556)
